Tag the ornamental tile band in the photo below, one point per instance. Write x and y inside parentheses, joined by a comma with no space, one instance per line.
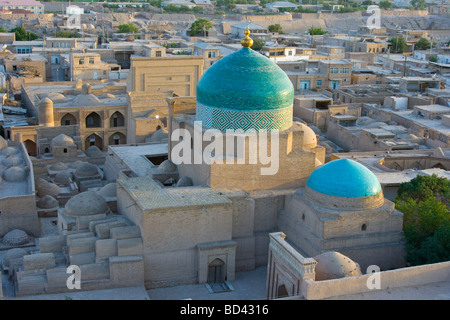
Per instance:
(223,119)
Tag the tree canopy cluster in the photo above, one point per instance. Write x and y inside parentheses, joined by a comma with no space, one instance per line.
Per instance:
(316,31)
(22,34)
(128,28)
(425,202)
(398,44)
(200,27)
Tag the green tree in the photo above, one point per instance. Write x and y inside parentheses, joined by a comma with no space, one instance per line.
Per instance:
(433,59)
(128,28)
(228,4)
(419,4)
(316,31)
(421,221)
(2,29)
(258,43)
(275,28)
(200,27)
(422,44)
(385,4)
(424,187)
(424,202)
(23,35)
(398,45)
(66,34)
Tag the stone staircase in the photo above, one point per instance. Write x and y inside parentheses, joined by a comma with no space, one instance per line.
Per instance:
(103,250)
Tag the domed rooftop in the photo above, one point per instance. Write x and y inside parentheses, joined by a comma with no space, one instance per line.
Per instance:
(167,166)
(89,100)
(16,237)
(47,202)
(93,151)
(309,136)
(334,265)
(47,188)
(13,254)
(85,204)
(9,151)
(59,166)
(14,174)
(245,90)
(86,170)
(108,191)
(158,135)
(12,161)
(344,178)
(75,164)
(62,141)
(185,182)
(57,97)
(63,178)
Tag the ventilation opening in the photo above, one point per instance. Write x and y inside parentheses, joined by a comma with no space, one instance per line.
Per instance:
(364,227)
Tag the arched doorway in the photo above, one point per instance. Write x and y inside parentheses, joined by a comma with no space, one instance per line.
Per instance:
(93,140)
(216,271)
(68,120)
(93,120)
(117,138)
(117,120)
(31,147)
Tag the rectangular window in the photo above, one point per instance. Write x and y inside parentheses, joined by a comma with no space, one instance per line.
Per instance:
(91,60)
(345,70)
(334,70)
(81,61)
(211,54)
(158,53)
(290,53)
(319,83)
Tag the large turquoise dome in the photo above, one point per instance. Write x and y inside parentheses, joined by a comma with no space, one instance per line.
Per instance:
(245,90)
(344,178)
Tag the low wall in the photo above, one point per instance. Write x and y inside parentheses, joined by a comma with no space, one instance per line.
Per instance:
(405,277)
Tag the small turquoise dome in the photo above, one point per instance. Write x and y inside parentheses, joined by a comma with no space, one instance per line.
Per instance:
(245,90)
(344,178)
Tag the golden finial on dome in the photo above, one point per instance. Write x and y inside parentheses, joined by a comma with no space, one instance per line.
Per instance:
(247,42)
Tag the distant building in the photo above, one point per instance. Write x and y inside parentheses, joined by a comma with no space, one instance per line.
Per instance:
(74,10)
(177,3)
(30,5)
(256,30)
(210,52)
(281,4)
